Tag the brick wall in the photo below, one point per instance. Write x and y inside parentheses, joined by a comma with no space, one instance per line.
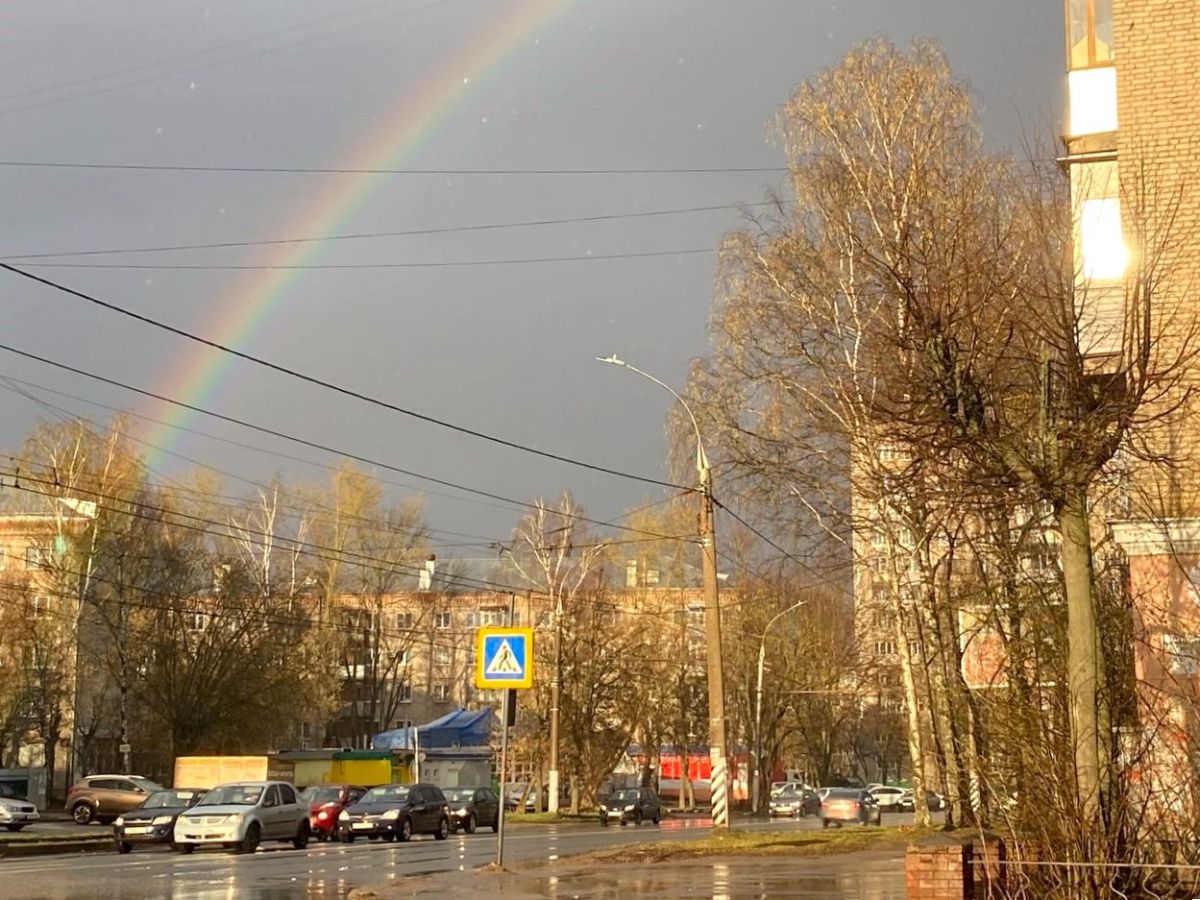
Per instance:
(939,870)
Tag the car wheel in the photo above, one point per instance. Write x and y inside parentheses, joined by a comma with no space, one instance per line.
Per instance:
(496,823)
(106,820)
(824,823)
(347,837)
(124,847)
(469,825)
(250,842)
(184,848)
(637,817)
(15,827)
(300,841)
(405,832)
(443,831)
(657,817)
(82,813)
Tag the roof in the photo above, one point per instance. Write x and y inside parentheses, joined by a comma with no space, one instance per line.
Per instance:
(460,728)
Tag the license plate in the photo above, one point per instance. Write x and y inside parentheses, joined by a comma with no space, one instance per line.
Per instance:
(361,826)
(138,829)
(211,835)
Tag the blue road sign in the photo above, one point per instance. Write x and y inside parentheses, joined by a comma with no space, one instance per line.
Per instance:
(504,658)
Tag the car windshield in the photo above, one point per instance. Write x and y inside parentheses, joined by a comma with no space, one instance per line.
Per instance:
(169,799)
(321,795)
(843,794)
(624,797)
(459,795)
(233,795)
(386,793)
(6,791)
(147,785)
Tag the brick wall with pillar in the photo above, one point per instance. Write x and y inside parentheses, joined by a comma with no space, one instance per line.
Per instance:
(955,867)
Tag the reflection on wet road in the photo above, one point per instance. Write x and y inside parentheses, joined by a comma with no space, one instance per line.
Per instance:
(325,871)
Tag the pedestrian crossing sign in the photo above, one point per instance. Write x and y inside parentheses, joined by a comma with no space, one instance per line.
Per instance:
(504,658)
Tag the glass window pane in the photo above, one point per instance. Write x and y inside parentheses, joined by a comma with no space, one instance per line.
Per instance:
(1102,18)
(1077,33)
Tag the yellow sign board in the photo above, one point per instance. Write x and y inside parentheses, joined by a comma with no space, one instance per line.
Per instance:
(503,658)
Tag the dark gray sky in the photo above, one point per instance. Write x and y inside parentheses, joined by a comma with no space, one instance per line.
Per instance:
(509,350)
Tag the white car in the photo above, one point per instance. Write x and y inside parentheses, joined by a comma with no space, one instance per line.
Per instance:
(15,812)
(887,797)
(240,816)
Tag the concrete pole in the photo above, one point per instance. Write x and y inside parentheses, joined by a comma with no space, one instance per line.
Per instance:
(717,753)
(555,702)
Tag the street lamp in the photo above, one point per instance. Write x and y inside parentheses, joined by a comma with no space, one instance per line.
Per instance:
(712,611)
(758,692)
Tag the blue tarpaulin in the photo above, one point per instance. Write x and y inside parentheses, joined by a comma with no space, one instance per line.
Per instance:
(461,728)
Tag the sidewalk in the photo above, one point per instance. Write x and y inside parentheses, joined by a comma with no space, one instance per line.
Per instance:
(868,875)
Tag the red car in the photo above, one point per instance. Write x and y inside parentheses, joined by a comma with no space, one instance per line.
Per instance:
(325,804)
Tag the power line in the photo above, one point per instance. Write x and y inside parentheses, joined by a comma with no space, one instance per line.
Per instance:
(316,170)
(411,232)
(348,392)
(141,67)
(450,264)
(312,445)
(55,101)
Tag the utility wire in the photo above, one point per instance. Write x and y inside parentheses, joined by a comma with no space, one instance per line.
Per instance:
(109,89)
(411,232)
(313,170)
(312,445)
(348,392)
(449,264)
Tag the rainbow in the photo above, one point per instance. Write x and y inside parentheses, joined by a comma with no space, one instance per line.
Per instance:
(242,312)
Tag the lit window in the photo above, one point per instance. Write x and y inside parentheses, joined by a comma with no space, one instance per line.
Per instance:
(1089,33)
(1105,255)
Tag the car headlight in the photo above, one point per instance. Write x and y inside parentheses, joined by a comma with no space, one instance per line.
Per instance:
(120,821)
(344,816)
(160,820)
(391,814)
(629,808)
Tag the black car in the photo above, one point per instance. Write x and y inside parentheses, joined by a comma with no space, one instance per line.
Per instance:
(395,812)
(154,821)
(636,805)
(471,807)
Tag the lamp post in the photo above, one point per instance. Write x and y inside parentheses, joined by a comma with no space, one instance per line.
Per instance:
(758,692)
(712,612)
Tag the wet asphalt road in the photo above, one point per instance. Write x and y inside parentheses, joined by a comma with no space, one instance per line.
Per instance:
(322,872)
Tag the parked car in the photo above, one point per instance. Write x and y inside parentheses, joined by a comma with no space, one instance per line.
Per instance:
(15,812)
(471,807)
(325,804)
(794,799)
(240,816)
(634,805)
(154,821)
(933,800)
(777,786)
(887,796)
(395,812)
(104,797)
(853,805)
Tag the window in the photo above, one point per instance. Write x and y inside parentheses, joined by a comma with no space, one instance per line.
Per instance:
(196,620)
(1089,33)
(442,656)
(271,798)
(35,557)
(400,657)
(492,615)
(441,691)
(885,648)
(39,606)
(1182,654)
(404,621)
(404,693)
(1105,254)
(286,794)
(442,621)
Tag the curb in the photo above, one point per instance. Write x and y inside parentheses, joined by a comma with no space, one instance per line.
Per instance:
(18,849)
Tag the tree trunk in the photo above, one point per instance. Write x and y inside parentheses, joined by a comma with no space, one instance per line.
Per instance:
(916,743)
(1085,662)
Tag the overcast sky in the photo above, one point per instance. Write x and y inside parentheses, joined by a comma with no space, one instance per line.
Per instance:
(508,349)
